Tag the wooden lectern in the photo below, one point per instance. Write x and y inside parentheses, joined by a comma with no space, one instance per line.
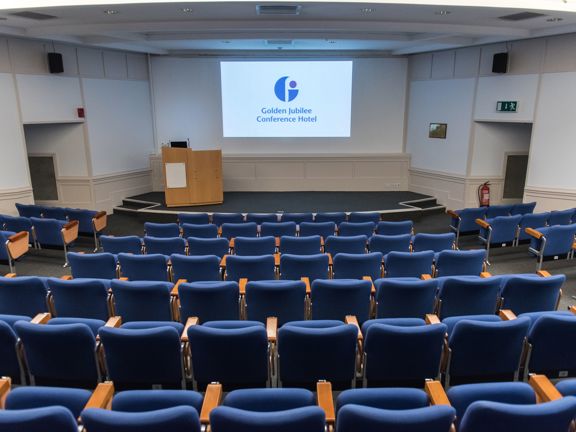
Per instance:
(192,177)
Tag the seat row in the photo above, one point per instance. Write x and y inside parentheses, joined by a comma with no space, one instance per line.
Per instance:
(471,408)
(343,265)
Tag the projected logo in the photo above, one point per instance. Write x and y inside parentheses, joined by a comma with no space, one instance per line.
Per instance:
(285,92)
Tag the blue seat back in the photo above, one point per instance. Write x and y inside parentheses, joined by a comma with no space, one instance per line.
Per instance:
(309,419)
(364,217)
(144,267)
(165,245)
(58,213)
(336,244)
(310,353)
(195,268)
(143,356)
(394,227)
(282,299)
(323,229)
(251,267)
(193,218)
(123,244)
(294,267)
(504,228)
(297,217)
(534,221)
(334,299)
(397,298)
(162,230)
(269,399)
(4,236)
(458,262)
(232,353)
(29,210)
(48,231)
(220,218)
(471,360)
(9,363)
(84,218)
(246,229)
(400,354)
(209,301)
(433,242)
(394,398)
(523,293)
(142,300)
(244,246)
(356,266)
(389,243)
(468,216)
(278,229)
(336,217)
(309,245)
(260,218)
(561,217)
(552,416)
(80,298)
(150,400)
(498,210)
(199,230)
(175,419)
(523,208)
(38,397)
(405,264)
(52,418)
(59,353)
(98,265)
(208,246)
(17,224)
(465,296)
(349,229)
(559,239)
(25,295)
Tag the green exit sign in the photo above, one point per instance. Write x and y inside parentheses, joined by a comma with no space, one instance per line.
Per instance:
(507,106)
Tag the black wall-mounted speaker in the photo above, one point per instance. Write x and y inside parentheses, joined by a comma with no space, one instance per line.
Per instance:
(500,63)
(55,63)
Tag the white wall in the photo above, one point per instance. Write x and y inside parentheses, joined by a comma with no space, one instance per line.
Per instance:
(119,120)
(188,105)
(66,141)
(440,101)
(492,141)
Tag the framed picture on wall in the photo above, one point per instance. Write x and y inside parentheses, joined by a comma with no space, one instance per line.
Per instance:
(437,130)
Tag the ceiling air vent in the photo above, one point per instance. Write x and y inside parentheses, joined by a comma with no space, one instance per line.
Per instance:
(33,15)
(278,9)
(521,16)
(279,42)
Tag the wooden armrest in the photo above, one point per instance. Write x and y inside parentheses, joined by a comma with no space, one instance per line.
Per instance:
(115,321)
(231,243)
(306,281)
(174,291)
(277,241)
(326,401)
(506,315)
(219,231)
(277,260)
(436,393)
(242,285)
(223,262)
(351,319)
(71,224)
(544,389)
(432,319)
(191,321)
(100,221)
(101,396)
(123,278)
(369,279)
(41,318)
(452,213)
(532,232)
(425,276)
(329,259)
(572,309)
(482,223)
(66,277)
(272,328)
(543,273)
(19,235)
(70,231)
(10,275)
(485,275)
(212,398)
(5,385)
(18,244)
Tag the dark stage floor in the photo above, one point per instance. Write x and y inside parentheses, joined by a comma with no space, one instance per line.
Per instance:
(277,202)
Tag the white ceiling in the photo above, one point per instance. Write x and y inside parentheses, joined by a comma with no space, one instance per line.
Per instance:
(390,27)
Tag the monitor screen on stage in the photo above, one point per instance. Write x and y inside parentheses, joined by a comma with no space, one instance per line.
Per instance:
(286,98)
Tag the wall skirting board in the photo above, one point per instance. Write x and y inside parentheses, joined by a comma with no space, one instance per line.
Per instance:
(9,197)
(307,173)
(550,198)
(110,189)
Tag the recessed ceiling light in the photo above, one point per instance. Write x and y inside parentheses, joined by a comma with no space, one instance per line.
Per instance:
(442,12)
(110,12)
(557,19)
(226,41)
(366,10)
(331,41)
(187,10)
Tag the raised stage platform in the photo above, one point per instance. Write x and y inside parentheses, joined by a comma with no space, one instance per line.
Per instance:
(391,204)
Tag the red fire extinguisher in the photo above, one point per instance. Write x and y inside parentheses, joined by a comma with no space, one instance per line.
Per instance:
(484,194)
